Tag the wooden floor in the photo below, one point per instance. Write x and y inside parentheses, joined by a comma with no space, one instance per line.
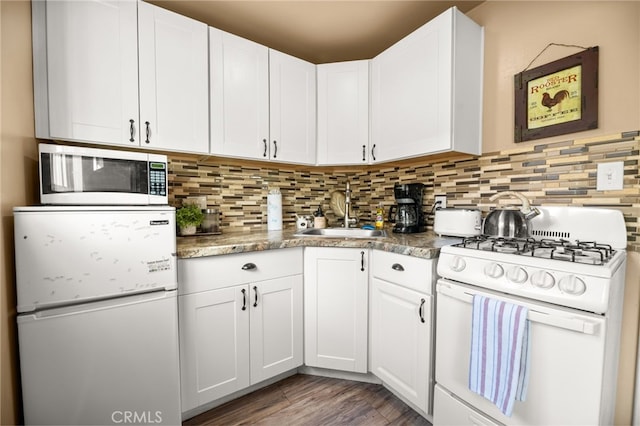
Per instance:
(313,401)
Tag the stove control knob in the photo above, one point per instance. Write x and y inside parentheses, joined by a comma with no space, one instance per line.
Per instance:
(517,275)
(543,279)
(457,264)
(572,285)
(493,270)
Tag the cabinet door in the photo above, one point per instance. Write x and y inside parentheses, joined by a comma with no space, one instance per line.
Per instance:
(343,113)
(239,96)
(86,71)
(400,340)
(214,344)
(292,99)
(276,327)
(174,81)
(335,308)
(411,93)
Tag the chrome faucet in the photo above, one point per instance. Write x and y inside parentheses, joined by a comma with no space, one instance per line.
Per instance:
(347,204)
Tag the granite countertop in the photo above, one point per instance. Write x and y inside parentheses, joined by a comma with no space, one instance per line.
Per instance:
(424,245)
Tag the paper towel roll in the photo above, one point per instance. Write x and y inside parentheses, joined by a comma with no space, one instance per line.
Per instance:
(274,210)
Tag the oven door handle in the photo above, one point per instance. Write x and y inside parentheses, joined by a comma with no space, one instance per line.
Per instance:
(568,323)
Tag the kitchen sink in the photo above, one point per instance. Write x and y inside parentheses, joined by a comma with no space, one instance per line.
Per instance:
(341,233)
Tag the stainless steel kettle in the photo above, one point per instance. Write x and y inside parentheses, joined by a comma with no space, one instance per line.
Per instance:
(509,221)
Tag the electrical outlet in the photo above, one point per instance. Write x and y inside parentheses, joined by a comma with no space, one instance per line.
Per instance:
(441,201)
(610,176)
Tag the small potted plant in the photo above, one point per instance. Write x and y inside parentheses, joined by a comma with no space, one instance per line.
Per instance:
(188,218)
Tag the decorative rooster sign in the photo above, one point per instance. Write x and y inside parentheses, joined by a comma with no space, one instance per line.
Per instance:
(550,102)
(559,97)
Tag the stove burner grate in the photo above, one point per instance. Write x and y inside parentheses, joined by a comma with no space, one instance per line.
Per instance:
(588,252)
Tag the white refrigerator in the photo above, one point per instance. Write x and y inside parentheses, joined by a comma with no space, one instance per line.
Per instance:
(97,314)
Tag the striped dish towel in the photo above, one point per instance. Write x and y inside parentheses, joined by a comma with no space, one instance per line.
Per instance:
(500,348)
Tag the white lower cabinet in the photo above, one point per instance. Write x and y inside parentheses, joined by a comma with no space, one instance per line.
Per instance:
(335,308)
(240,321)
(401,325)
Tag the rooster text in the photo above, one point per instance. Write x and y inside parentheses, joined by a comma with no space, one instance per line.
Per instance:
(554,81)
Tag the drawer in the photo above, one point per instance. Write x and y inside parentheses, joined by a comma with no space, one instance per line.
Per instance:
(450,411)
(408,271)
(214,272)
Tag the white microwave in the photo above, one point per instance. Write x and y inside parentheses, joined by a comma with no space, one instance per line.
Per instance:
(71,175)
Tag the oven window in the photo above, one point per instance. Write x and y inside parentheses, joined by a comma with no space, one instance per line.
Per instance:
(68,173)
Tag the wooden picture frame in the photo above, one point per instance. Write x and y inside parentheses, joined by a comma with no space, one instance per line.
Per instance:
(557,98)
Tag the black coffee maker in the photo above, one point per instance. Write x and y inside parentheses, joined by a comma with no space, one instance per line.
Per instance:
(407,213)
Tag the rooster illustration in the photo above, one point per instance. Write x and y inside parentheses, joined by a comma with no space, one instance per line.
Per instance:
(550,102)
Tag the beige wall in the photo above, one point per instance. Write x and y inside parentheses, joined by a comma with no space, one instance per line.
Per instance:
(515,33)
(18,170)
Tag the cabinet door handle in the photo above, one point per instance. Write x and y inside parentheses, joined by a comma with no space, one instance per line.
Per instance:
(421,310)
(397,267)
(362,261)
(275,149)
(131,130)
(264,141)
(148,131)
(249,266)
(255,302)
(244,299)
(373,153)
(364,153)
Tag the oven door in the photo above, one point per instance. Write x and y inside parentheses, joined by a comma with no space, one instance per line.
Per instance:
(566,373)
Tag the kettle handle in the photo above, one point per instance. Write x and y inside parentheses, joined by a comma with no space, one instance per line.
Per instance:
(526,207)
(391,217)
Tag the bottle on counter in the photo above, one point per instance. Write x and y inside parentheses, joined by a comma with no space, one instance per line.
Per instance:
(319,221)
(379,217)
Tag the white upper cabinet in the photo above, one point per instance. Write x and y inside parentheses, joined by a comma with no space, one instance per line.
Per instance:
(120,73)
(343,113)
(239,96)
(85,56)
(174,80)
(426,91)
(263,102)
(292,109)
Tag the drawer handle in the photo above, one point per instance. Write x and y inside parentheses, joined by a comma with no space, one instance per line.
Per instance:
(397,267)
(255,302)
(249,266)
(421,310)
(244,299)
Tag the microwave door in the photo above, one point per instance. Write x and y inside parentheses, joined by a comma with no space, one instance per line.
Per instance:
(114,175)
(84,176)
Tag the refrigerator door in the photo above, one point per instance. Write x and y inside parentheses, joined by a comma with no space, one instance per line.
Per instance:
(71,255)
(106,362)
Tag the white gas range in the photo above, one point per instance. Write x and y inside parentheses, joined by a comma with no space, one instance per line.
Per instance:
(570,276)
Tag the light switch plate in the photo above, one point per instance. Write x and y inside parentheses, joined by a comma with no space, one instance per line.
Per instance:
(610,176)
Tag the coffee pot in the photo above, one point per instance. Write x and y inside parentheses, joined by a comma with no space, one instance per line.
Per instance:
(407,213)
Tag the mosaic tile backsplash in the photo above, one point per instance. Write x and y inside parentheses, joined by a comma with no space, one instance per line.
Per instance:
(561,173)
